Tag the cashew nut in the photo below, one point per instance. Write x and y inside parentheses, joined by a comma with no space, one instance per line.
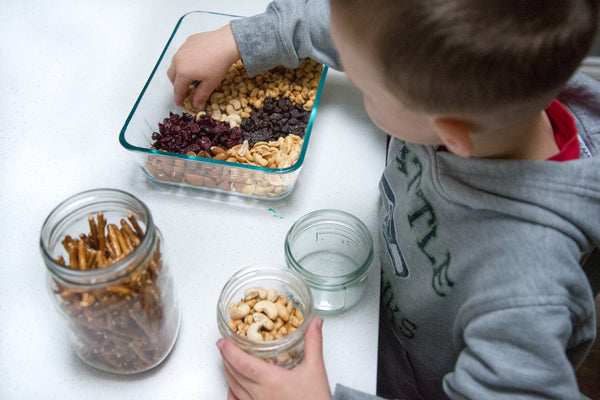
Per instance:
(282,312)
(295,321)
(238,312)
(267,307)
(255,292)
(254,331)
(278,324)
(267,323)
(272,294)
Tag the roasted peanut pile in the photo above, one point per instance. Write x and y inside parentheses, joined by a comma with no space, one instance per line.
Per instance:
(232,99)
(119,326)
(264,315)
(280,153)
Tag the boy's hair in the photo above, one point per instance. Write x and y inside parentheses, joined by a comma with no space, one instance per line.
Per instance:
(473,55)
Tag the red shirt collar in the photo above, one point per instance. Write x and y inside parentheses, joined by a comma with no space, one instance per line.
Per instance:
(565,132)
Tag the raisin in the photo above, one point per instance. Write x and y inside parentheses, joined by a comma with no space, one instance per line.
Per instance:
(277,118)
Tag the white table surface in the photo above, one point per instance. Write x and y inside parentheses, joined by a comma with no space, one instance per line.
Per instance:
(70,72)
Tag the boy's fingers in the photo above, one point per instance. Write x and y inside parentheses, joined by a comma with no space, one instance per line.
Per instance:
(313,342)
(240,364)
(171,73)
(231,395)
(236,390)
(180,88)
(203,92)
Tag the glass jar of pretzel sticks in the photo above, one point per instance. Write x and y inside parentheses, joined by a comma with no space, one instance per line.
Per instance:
(109,277)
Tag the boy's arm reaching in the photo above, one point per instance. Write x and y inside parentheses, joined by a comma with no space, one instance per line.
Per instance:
(288,31)
(284,34)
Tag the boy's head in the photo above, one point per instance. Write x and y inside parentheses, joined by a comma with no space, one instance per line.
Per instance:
(502,58)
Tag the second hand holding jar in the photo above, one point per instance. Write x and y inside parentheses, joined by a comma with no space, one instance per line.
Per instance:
(332,250)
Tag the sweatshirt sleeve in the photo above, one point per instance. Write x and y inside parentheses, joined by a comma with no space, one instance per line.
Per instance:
(287,32)
(518,353)
(345,393)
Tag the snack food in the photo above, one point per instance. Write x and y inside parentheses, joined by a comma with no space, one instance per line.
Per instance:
(264,315)
(120,324)
(258,121)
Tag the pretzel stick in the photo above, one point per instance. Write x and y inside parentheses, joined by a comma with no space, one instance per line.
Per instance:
(130,233)
(72,251)
(142,323)
(93,231)
(136,347)
(81,254)
(127,239)
(138,231)
(67,241)
(119,289)
(114,242)
(124,241)
(100,231)
(91,258)
(100,260)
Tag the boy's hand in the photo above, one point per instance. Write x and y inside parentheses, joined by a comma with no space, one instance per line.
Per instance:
(251,378)
(204,57)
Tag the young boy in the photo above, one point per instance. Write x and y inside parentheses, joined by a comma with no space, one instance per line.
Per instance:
(491,192)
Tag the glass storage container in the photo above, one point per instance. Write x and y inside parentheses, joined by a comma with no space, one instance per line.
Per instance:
(332,251)
(109,278)
(183,171)
(287,351)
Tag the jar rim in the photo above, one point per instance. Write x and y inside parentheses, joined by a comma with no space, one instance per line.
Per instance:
(341,217)
(97,276)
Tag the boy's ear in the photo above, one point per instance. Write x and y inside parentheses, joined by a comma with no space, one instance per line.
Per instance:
(456,135)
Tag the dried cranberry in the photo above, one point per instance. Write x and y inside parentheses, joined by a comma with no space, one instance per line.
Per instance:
(184,133)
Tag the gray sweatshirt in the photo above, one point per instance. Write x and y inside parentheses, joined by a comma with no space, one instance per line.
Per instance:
(482,289)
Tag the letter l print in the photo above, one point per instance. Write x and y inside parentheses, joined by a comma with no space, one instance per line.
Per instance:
(389,231)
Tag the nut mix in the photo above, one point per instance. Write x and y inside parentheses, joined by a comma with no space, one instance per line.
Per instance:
(238,91)
(264,315)
(258,121)
(120,326)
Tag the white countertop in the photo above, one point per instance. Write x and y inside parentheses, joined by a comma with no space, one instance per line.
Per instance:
(70,72)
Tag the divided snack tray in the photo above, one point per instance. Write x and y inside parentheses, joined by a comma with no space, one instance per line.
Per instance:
(155,103)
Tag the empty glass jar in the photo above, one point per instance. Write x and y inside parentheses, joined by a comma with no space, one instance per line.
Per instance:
(332,250)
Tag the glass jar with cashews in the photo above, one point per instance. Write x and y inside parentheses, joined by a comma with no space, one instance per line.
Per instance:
(265,310)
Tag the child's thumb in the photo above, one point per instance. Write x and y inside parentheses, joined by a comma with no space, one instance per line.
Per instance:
(313,342)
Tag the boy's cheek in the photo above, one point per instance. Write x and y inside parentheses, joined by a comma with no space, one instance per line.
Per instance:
(402,124)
